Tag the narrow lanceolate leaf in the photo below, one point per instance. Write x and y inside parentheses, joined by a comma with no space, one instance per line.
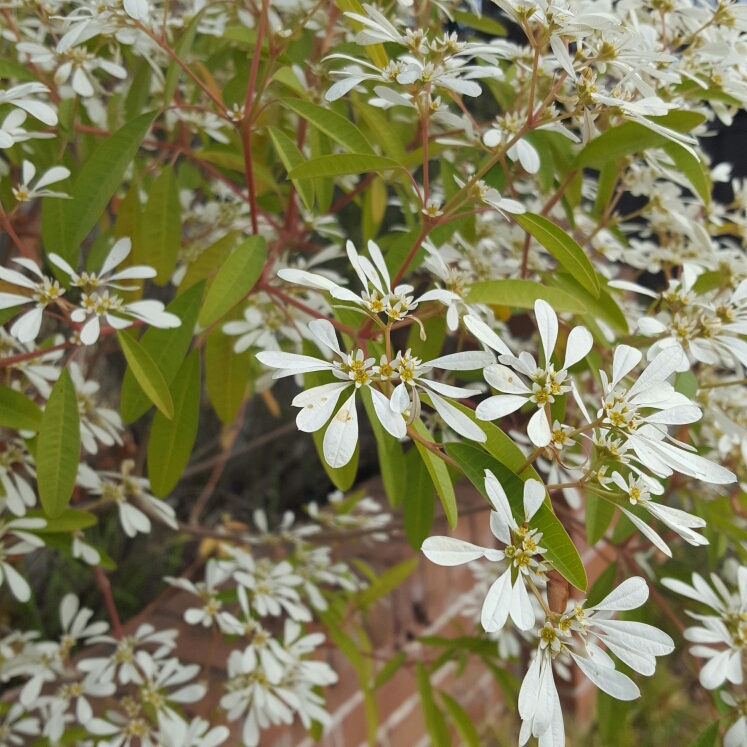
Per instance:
(696,171)
(439,474)
(171,441)
(58,447)
(565,250)
(181,49)
(631,137)
(292,157)
(167,348)
(561,551)
(389,669)
(97,181)
(522,294)
(226,374)
(161,231)
(599,515)
(18,412)
(147,374)
(386,583)
(417,507)
(340,164)
(707,738)
(434,719)
(337,128)
(461,720)
(234,280)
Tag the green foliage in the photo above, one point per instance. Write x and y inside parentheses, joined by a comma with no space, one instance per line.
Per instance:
(18,412)
(522,294)
(58,447)
(147,374)
(162,227)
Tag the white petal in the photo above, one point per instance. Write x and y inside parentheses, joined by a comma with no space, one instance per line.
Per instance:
(324,331)
(610,681)
(578,346)
(497,604)
(629,595)
(538,429)
(457,420)
(547,323)
(341,436)
(486,335)
(522,612)
(534,495)
(450,551)
(392,421)
(467,361)
(648,532)
(318,405)
(625,360)
(498,406)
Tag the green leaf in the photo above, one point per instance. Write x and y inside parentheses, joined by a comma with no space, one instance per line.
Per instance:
(234,280)
(605,186)
(58,447)
(147,374)
(417,508)
(18,412)
(291,157)
(686,383)
(599,515)
(376,52)
(69,520)
(337,128)
(485,24)
(209,262)
(565,250)
(522,294)
(461,720)
(435,722)
(439,474)
(10,70)
(226,374)
(171,441)
(390,454)
(707,738)
(602,586)
(97,182)
(694,170)
(378,124)
(161,231)
(389,670)
(603,307)
(561,551)
(631,137)
(340,164)
(386,583)
(167,348)
(181,50)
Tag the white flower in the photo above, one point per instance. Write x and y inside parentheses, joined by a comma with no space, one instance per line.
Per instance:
(97,423)
(14,461)
(12,131)
(377,296)
(95,304)
(271,587)
(44,291)
(40,371)
(127,491)
(506,596)
(16,730)
(22,97)
(176,732)
(720,638)
(627,412)
(212,608)
(24,192)
(546,383)
(16,529)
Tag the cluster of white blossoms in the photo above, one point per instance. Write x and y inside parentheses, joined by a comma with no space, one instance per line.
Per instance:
(559,309)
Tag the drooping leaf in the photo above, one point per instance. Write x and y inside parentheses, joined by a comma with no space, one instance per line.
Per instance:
(417,507)
(561,551)
(695,170)
(389,669)
(147,374)
(291,157)
(565,250)
(439,474)
(167,348)
(386,583)
(171,441)
(340,164)
(522,294)
(162,227)
(97,181)
(461,720)
(58,447)
(632,137)
(435,722)
(68,521)
(226,374)
(599,514)
(18,411)
(234,280)
(708,737)
(339,129)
